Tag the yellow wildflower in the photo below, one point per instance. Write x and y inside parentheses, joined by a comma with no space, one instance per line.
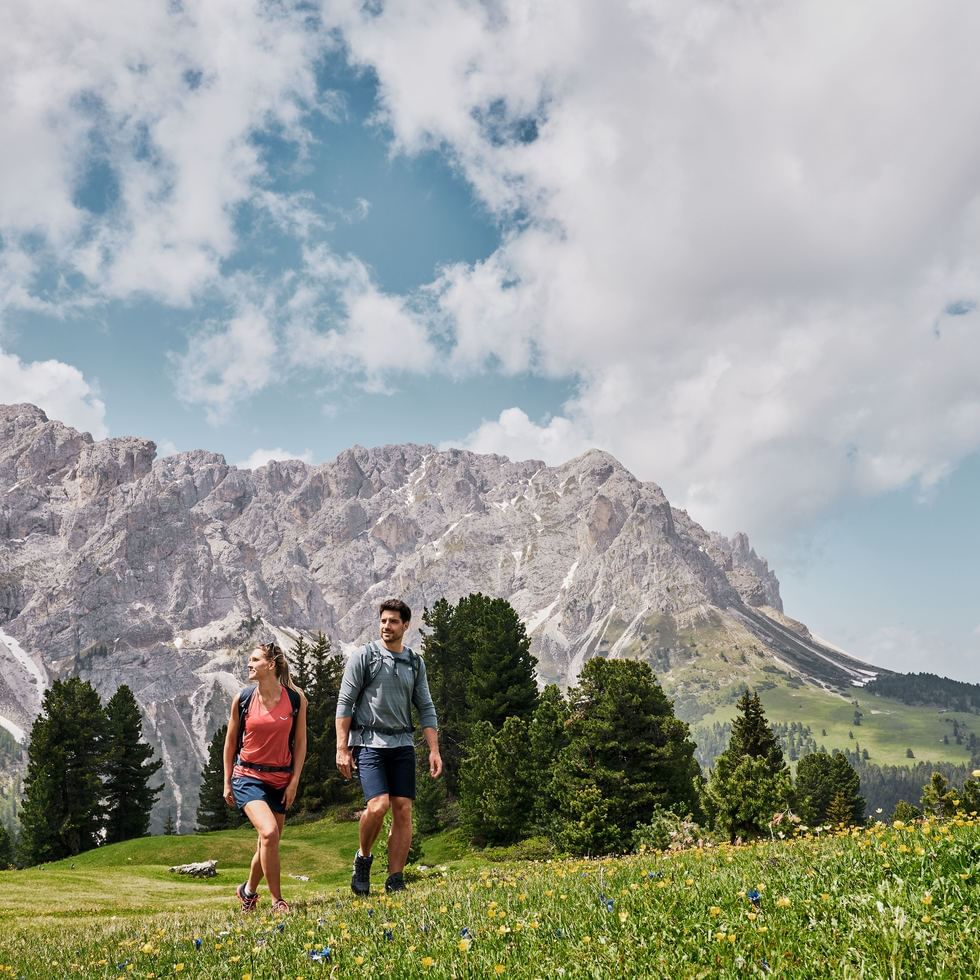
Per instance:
(428,962)
(927,899)
(714,910)
(499,968)
(782,901)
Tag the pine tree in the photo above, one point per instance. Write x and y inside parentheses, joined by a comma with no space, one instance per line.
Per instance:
(970,796)
(627,753)
(169,827)
(128,798)
(548,737)
(321,784)
(820,779)
(213,813)
(750,782)
(448,668)
(938,798)
(501,681)
(6,848)
(61,813)
(299,670)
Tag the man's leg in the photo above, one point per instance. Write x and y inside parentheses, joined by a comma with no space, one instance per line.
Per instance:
(372,820)
(400,841)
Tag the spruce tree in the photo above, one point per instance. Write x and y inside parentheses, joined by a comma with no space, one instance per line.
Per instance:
(448,668)
(970,796)
(627,753)
(128,798)
(6,848)
(547,738)
(502,670)
(61,814)
(938,798)
(499,783)
(213,813)
(750,782)
(321,784)
(299,670)
(169,827)
(820,779)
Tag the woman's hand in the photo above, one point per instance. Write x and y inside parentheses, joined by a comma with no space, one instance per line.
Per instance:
(229,796)
(289,794)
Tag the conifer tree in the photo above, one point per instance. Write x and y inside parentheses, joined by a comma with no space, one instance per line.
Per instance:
(750,782)
(61,813)
(970,796)
(6,848)
(502,670)
(938,798)
(547,738)
(820,779)
(321,784)
(627,753)
(213,813)
(448,668)
(299,670)
(169,827)
(128,798)
(498,783)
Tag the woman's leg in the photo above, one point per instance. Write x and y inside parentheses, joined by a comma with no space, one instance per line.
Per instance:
(269,827)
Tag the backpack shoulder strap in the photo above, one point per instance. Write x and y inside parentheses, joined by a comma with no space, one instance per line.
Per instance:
(244,697)
(294,703)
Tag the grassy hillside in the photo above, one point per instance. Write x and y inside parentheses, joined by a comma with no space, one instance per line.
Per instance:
(881,902)
(887,728)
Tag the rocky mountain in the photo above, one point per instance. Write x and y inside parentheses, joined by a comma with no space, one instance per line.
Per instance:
(160,573)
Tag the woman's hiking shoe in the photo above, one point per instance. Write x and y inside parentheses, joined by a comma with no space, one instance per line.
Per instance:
(280,907)
(360,881)
(248,901)
(395,883)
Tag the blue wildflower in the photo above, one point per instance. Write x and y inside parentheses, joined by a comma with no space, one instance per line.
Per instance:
(388,935)
(123,965)
(198,943)
(464,932)
(609,903)
(765,965)
(755,898)
(281,927)
(321,955)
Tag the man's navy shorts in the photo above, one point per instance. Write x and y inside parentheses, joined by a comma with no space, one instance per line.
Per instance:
(247,789)
(390,771)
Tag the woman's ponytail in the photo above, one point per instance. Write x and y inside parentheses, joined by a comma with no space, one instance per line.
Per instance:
(272,651)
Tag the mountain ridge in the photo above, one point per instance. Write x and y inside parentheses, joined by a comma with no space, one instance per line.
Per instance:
(125,568)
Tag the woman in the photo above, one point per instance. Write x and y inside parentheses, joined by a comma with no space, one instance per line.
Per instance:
(264,753)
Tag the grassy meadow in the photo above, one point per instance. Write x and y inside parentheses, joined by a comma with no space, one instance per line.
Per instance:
(884,901)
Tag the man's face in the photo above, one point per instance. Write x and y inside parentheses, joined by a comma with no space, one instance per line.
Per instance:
(392,627)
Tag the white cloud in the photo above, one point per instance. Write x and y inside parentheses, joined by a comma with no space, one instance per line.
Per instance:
(262,456)
(226,365)
(736,226)
(513,434)
(58,388)
(165,98)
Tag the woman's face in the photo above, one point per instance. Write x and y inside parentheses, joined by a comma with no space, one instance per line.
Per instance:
(259,666)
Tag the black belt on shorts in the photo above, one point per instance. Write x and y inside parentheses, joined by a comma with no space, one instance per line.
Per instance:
(384,729)
(260,768)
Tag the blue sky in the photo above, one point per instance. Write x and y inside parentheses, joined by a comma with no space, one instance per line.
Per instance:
(737,249)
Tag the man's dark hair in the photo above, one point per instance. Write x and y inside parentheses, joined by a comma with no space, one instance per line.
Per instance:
(396,605)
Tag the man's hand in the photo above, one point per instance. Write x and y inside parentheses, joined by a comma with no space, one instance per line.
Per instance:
(228,795)
(289,794)
(345,762)
(435,764)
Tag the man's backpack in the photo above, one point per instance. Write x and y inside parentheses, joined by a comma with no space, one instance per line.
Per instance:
(374,665)
(244,698)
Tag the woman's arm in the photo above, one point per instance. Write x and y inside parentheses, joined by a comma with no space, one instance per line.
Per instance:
(231,743)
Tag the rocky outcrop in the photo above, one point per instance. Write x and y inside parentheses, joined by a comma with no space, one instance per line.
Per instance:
(159,573)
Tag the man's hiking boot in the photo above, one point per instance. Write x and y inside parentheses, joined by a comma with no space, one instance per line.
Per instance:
(395,883)
(248,901)
(360,881)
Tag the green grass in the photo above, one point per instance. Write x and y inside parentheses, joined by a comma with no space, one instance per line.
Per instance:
(883,902)
(887,729)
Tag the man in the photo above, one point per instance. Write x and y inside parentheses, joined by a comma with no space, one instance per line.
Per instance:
(374,736)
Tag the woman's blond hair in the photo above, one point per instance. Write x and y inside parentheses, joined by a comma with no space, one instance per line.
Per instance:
(272,651)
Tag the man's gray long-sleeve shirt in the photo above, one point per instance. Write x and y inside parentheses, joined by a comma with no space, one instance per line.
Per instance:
(387,699)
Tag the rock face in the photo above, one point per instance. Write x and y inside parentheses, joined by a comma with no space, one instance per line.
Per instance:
(122,568)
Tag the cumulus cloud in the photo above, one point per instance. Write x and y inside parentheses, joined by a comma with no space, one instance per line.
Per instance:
(751,232)
(262,456)
(155,107)
(227,364)
(58,388)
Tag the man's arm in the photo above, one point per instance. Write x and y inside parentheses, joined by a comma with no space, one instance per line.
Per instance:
(345,760)
(435,757)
